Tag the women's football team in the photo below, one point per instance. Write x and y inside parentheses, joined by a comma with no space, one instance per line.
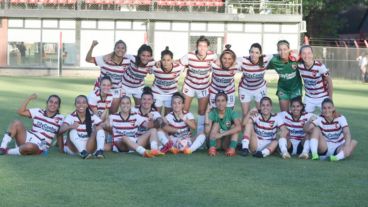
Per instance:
(160,120)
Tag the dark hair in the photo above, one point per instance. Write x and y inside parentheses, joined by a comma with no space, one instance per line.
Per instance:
(178,95)
(59,100)
(166,52)
(259,47)
(106,77)
(88,120)
(266,98)
(202,38)
(283,42)
(227,51)
(299,100)
(219,94)
(148,91)
(116,44)
(303,47)
(142,49)
(327,100)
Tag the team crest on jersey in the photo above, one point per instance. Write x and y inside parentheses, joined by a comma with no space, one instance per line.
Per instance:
(294,66)
(314,73)
(228,124)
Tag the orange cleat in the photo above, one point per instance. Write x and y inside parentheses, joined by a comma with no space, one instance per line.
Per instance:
(174,150)
(148,154)
(212,151)
(187,151)
(230,152)
(157,153)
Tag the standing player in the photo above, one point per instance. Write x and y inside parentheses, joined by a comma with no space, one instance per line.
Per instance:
(290,84)
(133,78)
(85,131)
(223,77)
(100,101)
(260,132)
(180,125)
(252,84)
(115,67)
(222,125)
(197,80)
(331,135)
(124,127)
(166,81)
(46,125)
(317,82)
(298,122)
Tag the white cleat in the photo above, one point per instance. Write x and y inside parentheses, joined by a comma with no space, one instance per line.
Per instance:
(304,156)
(286,156)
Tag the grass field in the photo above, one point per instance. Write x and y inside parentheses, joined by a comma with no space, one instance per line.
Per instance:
(196,180)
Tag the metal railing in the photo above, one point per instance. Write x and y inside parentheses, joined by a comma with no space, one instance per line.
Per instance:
(215,6)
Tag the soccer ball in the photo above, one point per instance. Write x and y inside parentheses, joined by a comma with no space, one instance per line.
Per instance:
(183,143)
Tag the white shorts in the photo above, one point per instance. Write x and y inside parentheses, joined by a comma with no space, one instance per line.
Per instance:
(162,100)
(187,90)
(230,100)
(247,96)
(295,146)
(331,149)
(133,92)
(119,139)
(312,103)
(30,138)
(262,143)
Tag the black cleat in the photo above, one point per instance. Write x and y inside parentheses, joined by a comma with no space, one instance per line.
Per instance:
(244,152)
(258,154)
(99,154)
(85,155)
(3,151)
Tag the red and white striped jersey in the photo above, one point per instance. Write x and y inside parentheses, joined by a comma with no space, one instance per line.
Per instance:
(135,75)
(125,127)
(314,84)
(114,71)
(142,129)
(82,129)
(295,127)
(184,129)
(222,79)
(253,74)
(44,127)
(166,83)
(266,129)
(332,131)
(198,73)
(95,100)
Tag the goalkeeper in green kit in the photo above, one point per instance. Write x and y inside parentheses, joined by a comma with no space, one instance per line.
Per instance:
(290,84)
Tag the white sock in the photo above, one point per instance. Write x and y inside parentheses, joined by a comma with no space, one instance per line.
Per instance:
(245,143)
(68,151)
(162,137)
(74,137)
(266,152)
(140,150)
(14,151)
(340,155)
(198,142)
(306,146)
(313,145)
(154,145)
(200,124)
(5,141)
(100,139)
(283,145)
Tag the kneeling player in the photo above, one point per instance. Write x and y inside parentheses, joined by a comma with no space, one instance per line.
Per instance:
(261,129)
(331,135)
(298,122)
(46,124)
(179,126)
(86,135)
(124,126)
(222,125)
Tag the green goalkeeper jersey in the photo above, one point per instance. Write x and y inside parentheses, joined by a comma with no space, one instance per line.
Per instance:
(289,77)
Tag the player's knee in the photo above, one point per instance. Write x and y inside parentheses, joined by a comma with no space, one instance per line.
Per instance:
(16,124)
